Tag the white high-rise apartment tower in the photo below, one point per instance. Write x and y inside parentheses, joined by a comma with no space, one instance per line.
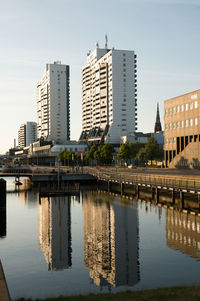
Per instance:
(109,95)
(53,104)
(27,134)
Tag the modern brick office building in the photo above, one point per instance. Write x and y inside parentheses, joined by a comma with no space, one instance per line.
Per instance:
(182,131)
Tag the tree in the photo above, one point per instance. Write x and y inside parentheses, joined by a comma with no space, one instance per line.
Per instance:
(61,156)
(65,156)
(125,151)
(107,151)
(141,155)
(98,153)
(90,154)
(153,150)
(136,146)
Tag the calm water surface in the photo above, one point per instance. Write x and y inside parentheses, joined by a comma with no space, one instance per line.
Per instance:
(94,243)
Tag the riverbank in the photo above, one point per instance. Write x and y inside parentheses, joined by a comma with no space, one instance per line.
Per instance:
(191,293)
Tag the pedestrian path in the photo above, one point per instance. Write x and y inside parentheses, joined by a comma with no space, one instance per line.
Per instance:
(4,294)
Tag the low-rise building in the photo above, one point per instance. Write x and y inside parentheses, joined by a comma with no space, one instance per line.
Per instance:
(46,153)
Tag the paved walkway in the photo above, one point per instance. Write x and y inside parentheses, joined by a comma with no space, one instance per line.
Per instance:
(4,294)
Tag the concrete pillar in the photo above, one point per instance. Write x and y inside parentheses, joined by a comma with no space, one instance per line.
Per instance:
(173,197)
(138,191)
(3,222)
(181,199)
(2,208)
(198,197)
(2,193)
(157,195)
(122,188)
(109,184)
(153,192)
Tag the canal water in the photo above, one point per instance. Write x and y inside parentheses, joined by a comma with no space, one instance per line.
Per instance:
(94,243)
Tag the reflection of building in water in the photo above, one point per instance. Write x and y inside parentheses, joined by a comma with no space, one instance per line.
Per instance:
(28,198)
(2,222)
(183,232)
(54,225)
(110,241)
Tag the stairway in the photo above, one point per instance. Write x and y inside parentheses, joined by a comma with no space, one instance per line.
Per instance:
(188,158)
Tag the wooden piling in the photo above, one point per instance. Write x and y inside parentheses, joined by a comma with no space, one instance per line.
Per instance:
(2,193)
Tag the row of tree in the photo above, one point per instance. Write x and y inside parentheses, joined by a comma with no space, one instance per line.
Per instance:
(104,153)
(150,151)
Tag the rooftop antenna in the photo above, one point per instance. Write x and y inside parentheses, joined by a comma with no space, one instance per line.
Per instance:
(106,41)
(97,44)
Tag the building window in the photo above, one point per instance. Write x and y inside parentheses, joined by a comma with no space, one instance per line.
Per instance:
(191,105)
(174,125)
(186,106)
(174,110)
(186,123)
(191,122)
(182,123)
(166,126)
(166,141)
(166,112)
(196,104)
(195,121)
(177,124)
(174,140)
(182,108)
(170,125)
(177,109)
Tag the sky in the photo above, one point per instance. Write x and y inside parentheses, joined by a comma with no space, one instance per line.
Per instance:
(165,34)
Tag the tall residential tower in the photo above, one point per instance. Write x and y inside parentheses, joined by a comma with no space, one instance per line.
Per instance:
(53,108)
(109,91)
(27,134)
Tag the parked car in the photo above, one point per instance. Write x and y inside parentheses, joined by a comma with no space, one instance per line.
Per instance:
(131,166)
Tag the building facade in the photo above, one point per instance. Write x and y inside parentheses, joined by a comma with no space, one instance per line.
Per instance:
(31,132)
(53,104)
(182,131)
(54,232)
(110,241)
(27,134)
(109,95)
(22,136)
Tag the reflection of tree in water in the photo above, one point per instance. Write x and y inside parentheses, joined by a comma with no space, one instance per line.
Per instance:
(54,225)
(183,232)
(3,222)
(110,241)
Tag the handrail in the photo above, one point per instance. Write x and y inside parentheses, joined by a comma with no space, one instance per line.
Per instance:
(151,179)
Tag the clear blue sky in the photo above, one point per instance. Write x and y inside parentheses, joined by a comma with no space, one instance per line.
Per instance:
(164,33)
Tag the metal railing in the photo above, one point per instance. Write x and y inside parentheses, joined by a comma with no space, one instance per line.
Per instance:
(148,179)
